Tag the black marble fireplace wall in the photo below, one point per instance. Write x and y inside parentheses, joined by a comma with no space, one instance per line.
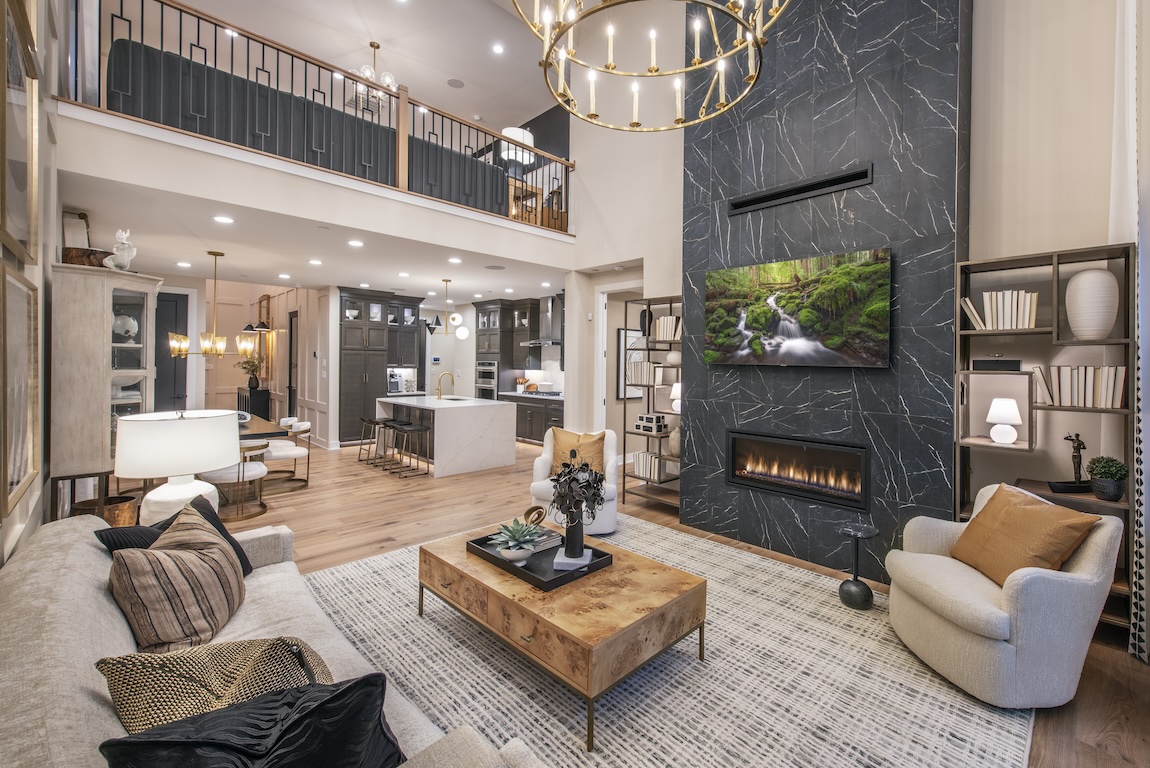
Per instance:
(844,83)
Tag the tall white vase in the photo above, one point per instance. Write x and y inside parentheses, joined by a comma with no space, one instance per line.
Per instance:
(1092,304)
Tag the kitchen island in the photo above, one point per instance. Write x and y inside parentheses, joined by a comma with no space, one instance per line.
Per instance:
(467,434)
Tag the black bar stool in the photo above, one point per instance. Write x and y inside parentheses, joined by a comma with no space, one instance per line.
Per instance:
(388,459)
(368,434)
(415,439)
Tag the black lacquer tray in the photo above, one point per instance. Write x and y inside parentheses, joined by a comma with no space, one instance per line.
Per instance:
(538,570)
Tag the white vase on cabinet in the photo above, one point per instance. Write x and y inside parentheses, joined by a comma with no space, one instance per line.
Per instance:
(1092,304)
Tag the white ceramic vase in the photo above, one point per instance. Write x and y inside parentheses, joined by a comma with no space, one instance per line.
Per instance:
(1092,304)
(674,357)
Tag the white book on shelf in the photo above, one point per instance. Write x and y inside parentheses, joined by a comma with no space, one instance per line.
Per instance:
(1055,385)
(1024,317)
(972,314)
(1033,321)
(1015,309)
(1043,388)
(988,310)
(1064,378)
(1119,385)
(1088,386)
(1105,386)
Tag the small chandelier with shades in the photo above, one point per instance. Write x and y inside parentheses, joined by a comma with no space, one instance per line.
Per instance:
(602,61)
(455,326)
(179,345)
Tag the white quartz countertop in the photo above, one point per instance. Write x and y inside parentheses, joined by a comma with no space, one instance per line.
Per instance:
(431,403)
(532,396)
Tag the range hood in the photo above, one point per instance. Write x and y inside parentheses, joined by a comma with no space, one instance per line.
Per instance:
(551,322)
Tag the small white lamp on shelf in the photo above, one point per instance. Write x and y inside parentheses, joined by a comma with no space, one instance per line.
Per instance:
(677,397)
(1004,416)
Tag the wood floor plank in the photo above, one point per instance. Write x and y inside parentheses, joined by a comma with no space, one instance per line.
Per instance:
(352,510)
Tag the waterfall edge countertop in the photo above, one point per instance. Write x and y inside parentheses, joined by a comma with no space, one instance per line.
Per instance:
(467,434)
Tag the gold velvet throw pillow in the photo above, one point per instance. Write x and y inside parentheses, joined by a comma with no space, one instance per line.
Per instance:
(1018,530)
(150,689)
(589,448)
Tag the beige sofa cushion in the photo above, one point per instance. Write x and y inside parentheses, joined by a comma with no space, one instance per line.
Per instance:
(180,591)
(1016,530)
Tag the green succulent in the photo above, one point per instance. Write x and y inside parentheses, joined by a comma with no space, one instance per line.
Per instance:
(1107,468)
(517,535)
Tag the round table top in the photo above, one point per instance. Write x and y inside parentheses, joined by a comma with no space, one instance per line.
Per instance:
(858,530)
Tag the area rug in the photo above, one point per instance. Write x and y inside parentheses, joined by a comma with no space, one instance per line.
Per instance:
(791,676)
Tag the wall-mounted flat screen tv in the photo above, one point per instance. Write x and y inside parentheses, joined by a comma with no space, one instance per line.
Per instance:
(822,311)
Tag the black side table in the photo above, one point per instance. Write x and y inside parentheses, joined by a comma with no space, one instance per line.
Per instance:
(853,592)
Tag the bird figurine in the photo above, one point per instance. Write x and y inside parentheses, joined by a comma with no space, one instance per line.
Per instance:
(122,252)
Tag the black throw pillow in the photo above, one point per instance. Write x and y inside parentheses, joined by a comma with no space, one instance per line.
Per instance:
(314,726)
(144,536)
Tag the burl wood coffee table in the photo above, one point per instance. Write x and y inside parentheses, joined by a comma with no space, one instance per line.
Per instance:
(591,634)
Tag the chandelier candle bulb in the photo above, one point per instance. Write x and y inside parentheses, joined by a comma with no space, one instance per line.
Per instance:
(635,104)
(678,100)
(610,46)
(591,102)
(698,46)
(750,59)
(654,67)
(562,66)
(535,18)
(759,19)
(571,32)
(722,67)
(546,31)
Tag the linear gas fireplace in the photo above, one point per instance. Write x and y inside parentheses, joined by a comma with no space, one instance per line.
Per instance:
(828,472)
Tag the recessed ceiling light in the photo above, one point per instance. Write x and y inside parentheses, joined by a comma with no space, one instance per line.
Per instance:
(355,243)
(336,76)
(364,285)
(183,264)
(509,290)
(314,262)
(431,293)
(450,301)
(455,260)
(404,274)
(479,295)
(223,220)
(423,110)
(546,285)
(231,33)
(285,277)
(497,48)
(477,118)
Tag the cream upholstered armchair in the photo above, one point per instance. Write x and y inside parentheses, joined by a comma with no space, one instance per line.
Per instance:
(1020,645)
(542,490)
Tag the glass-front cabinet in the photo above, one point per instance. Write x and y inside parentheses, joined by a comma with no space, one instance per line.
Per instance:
(103,362)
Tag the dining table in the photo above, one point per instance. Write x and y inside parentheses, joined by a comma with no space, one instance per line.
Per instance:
(256,428)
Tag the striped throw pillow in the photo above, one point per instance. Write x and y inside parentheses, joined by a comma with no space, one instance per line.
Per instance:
(180,591)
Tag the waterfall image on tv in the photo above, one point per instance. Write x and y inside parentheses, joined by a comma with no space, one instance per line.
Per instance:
(822,311)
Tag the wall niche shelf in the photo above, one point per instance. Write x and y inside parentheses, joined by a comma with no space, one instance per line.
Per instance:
(1073,386)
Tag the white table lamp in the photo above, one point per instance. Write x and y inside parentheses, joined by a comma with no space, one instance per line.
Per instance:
(677,397)
(1004,416)
(175,445)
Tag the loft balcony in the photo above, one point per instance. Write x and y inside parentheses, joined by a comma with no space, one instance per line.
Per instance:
(168,65)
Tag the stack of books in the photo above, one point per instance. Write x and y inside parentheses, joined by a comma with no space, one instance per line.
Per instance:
(667,328)
(649,466)
(1003,310)
(1082,386)
(640,372)
(549,539)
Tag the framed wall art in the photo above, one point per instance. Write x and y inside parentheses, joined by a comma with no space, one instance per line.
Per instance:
(18,162)
(20,373)
(628,340)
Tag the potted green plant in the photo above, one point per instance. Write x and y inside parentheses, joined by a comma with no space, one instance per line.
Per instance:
(516,542)
(1107,477)
(251,366)
(578,497)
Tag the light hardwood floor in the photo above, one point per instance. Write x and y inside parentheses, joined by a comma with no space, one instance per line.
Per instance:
(351,511)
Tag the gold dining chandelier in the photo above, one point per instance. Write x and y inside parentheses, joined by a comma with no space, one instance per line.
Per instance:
(602,62)
(211,344)
(455,326)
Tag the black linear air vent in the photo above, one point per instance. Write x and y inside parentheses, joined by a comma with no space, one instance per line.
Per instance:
(858,176)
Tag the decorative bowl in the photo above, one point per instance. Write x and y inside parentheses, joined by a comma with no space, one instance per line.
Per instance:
(517,556)
(352,314)
(243,416)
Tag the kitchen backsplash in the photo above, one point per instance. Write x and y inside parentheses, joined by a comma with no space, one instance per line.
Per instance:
(550,369)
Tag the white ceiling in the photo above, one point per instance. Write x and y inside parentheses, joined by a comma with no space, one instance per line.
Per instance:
(424,44)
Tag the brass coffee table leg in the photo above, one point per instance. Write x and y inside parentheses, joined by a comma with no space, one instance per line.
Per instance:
(700,642)
(420,599)
(590,725)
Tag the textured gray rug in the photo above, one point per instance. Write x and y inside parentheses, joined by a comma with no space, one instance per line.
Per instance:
(792,677)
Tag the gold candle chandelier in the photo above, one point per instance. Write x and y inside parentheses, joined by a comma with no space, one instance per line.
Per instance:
(603,64)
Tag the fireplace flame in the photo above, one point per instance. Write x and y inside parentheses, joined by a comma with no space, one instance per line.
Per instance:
(833,480)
